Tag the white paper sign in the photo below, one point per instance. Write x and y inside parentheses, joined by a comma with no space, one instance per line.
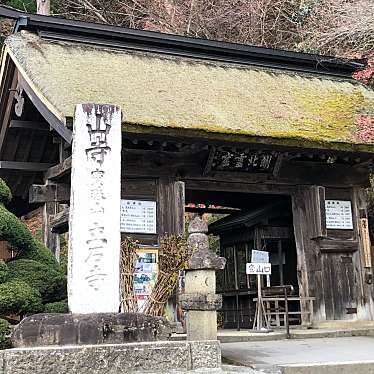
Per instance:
(258,268)
(339,214)
(138,216)
(259,256)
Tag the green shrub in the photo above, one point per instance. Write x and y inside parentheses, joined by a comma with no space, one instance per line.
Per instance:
(18,297)
(18,235)
(3,271)
(51,283)
(34,277)
(57,307)
(25,5)
(4,332)
(5,193)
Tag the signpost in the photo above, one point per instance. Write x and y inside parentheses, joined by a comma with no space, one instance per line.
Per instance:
(260,266)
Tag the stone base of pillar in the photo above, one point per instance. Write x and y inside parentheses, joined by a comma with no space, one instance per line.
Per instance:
(41,330)
(151,357)
(201,325)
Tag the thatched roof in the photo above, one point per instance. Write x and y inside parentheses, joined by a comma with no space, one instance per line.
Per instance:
(166,94)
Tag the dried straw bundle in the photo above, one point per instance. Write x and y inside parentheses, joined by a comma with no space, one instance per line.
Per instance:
(129,248)
(173,256)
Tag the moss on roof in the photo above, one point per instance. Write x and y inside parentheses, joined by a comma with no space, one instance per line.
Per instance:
(169,93)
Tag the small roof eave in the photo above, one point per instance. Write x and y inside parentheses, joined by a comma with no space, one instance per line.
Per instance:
(55,118)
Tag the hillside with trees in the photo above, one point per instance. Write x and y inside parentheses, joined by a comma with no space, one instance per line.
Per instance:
(335,27)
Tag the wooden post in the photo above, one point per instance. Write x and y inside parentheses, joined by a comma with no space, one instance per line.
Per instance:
(43,7)
(51,240)
(259,303)
(94,217)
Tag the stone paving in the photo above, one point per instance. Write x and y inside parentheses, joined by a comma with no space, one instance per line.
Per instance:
(319,355)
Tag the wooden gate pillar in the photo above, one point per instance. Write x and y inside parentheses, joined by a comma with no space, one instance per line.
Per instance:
(307,207)
(51,240)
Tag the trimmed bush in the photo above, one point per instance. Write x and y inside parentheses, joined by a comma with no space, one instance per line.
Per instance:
(34,277)
(17,297)
(5,193)
(18,235)
(57,307)
(51,283)
(4,332)
(3,271)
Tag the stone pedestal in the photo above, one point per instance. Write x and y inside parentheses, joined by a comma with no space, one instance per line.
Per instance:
(200,299)
(42,330)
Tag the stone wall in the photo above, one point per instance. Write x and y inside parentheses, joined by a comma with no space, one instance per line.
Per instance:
(112,358)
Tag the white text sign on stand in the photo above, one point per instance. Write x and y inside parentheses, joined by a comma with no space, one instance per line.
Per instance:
(94,224)
(138,216)
(339,214)
(258,268)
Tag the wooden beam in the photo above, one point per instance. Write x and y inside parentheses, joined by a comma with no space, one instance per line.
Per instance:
(57,192)
(58,171)
(211,185)
(53,121)
(29,125)
(60,222)
(191,209)
(7,94)
(26,166)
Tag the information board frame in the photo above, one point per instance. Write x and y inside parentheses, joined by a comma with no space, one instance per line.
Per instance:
(143,219)
(339,215)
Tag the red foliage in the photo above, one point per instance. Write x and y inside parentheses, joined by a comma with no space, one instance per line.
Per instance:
(365,125)
(366,75)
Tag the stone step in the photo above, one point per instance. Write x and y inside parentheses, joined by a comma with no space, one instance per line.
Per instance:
(354,367)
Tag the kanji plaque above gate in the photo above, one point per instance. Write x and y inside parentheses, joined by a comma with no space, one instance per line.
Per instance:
(242,161)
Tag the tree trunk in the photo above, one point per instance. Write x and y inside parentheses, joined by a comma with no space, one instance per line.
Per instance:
(44,7)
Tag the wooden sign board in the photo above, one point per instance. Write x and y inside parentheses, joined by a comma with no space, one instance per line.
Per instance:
(242,161)
(261,257)
(364,229)
(138,216)
(339,214)
(258,268)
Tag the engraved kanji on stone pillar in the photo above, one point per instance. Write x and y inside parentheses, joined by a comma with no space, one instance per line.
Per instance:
(200,299)
(94,222)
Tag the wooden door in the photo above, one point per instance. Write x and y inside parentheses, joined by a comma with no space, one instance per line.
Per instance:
(340,285)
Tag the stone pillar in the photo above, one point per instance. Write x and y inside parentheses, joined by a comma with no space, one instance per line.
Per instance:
(200,299)
(94,221)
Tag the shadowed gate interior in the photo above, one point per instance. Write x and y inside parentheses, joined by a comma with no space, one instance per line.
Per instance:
(244,222)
